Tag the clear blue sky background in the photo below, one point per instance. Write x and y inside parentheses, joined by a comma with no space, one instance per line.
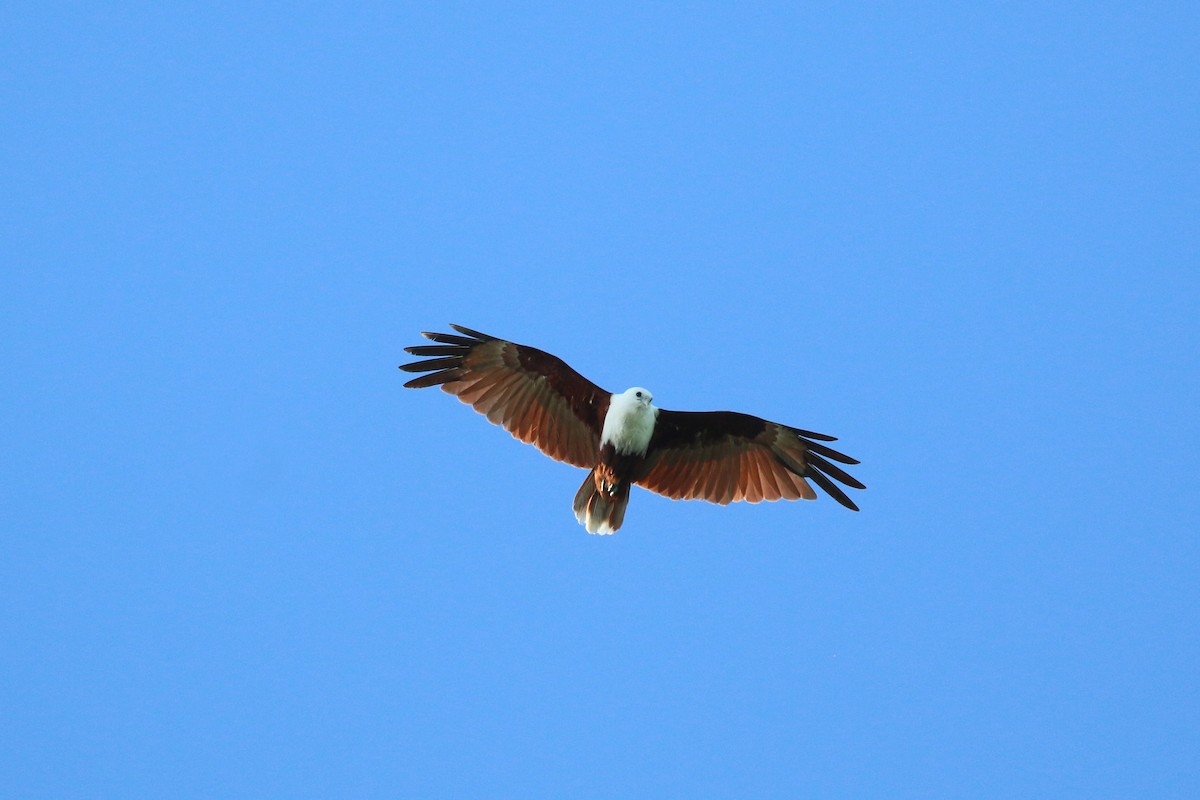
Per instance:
(241,561)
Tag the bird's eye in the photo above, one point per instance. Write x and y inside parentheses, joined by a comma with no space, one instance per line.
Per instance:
(639,394)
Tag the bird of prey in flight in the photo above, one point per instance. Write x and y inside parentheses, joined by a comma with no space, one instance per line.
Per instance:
(624,439)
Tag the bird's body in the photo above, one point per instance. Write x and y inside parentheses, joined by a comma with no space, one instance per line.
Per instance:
(719,456)
(624,438)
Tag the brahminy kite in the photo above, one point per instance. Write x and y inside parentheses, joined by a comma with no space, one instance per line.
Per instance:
(624,439)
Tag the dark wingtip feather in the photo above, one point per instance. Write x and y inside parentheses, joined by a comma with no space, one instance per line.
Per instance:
(434,379)
(837,473)
(832,489)
(437,350)
(821,437)
(469,332)
(829,452)
(449,338)
(447,364)
(431,364)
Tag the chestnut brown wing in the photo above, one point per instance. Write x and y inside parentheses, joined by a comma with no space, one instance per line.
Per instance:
(535,396)
(724,457)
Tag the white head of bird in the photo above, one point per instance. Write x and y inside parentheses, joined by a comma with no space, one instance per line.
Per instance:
(629,423)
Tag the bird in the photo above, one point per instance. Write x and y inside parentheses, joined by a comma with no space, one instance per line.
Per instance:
(624,439)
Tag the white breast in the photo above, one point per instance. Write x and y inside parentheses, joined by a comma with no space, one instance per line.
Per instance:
(628,425)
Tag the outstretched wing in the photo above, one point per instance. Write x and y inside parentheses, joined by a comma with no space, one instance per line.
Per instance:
(723,457)
(534,395)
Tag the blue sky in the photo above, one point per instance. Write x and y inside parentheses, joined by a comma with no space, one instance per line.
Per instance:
(242,561)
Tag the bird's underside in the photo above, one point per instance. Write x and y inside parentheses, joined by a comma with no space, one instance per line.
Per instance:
(623,439)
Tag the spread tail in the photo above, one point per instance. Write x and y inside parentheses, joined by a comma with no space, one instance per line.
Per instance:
(598,511)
